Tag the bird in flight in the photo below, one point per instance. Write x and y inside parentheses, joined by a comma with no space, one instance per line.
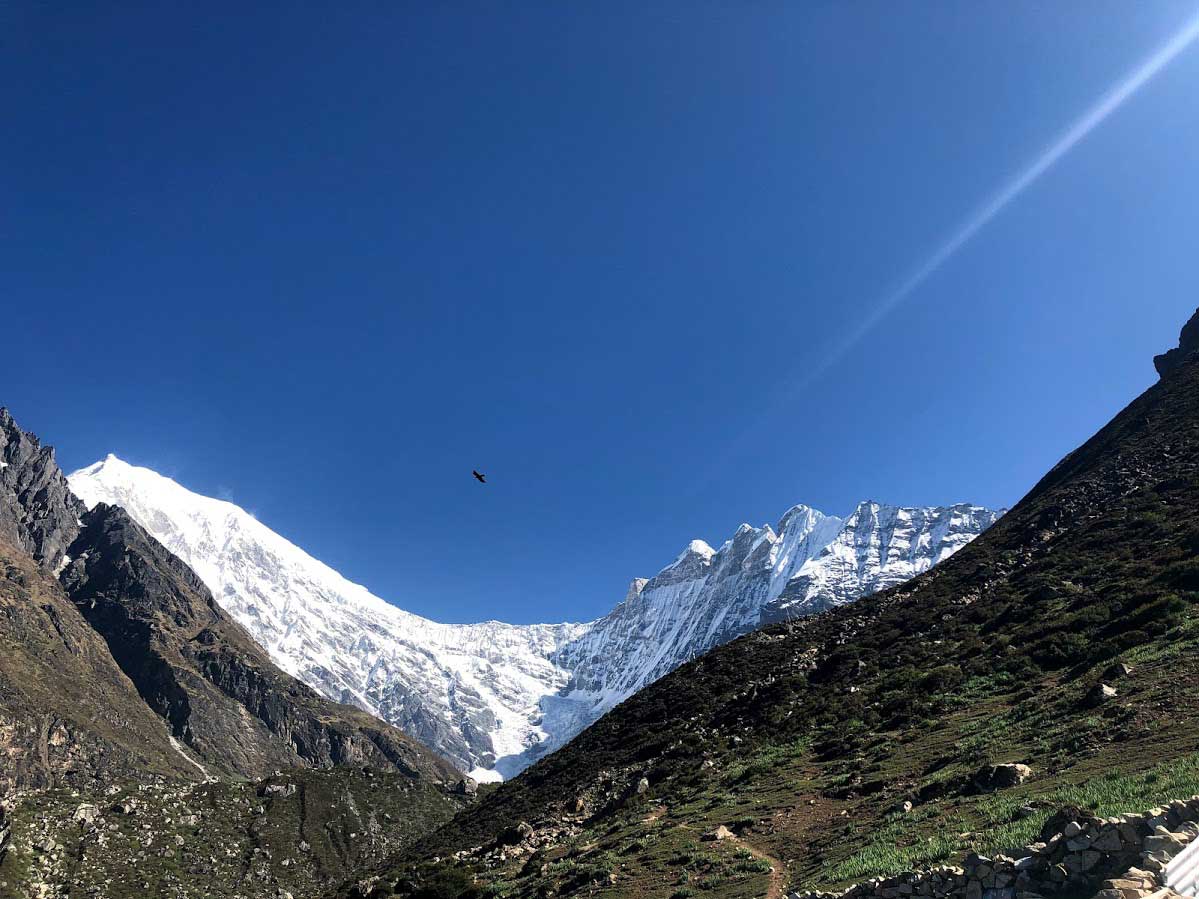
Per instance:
(481,478)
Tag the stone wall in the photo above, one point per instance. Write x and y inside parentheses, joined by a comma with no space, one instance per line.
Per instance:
(1079,854)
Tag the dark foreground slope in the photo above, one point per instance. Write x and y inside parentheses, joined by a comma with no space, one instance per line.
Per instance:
(135,716)
(806,740)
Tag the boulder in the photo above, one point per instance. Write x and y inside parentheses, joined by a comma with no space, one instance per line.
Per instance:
(1099,694)
(516,834)
(466,787)
(1000,777)
(1116,670)
(85,816)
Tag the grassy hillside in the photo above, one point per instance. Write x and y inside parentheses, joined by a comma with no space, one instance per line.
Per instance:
(805,740)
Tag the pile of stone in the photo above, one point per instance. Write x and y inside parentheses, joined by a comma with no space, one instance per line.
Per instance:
(1125,857)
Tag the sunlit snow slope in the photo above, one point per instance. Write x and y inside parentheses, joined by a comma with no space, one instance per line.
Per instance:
(494,697)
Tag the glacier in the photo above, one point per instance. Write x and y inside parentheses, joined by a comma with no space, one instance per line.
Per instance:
(494,697)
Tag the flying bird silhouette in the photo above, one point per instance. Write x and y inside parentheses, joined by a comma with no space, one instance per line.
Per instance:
(482,479)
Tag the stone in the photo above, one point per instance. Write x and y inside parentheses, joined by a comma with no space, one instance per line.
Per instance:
(516,834)
(466,787)
(1000,777)
(1108,840)
(85,815)
(1100,694)
(1116,670)
(1079,843)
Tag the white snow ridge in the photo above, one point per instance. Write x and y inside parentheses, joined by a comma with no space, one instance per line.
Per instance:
(494,697)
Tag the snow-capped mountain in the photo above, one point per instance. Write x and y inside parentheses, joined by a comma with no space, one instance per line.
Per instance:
(494,697)
(469,691)
(877,547)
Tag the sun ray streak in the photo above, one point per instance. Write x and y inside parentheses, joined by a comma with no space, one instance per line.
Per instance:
(1010,191)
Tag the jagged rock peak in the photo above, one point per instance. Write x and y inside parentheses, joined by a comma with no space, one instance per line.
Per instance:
(635,588)
(493,697)
(38,512)
(1188,344)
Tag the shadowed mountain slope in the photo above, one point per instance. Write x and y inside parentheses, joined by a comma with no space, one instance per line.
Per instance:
(199,670)
(805,738)
(68,713)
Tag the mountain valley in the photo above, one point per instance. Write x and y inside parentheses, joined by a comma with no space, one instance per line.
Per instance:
(1044,666)
(492,697)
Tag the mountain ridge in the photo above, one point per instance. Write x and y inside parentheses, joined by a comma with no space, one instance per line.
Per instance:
(491,697)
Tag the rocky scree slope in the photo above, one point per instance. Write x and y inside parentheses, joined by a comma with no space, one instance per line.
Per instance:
(289,835)
(123,673)
(493,697)
(871,738)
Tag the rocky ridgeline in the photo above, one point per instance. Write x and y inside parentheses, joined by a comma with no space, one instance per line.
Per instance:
(1124,857)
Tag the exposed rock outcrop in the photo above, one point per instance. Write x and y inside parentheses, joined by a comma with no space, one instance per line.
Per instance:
(68,713)
(1188,344)
(38,512)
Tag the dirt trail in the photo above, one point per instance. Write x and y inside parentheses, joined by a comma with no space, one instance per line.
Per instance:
(775,890)
(655,813)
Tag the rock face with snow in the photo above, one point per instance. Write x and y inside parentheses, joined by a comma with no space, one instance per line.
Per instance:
(494,697)
(469,691)
(878,547)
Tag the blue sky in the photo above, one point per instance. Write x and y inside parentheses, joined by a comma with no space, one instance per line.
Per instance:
(324,262)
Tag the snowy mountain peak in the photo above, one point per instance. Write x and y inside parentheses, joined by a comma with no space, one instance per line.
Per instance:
(494,697)
(469,691)
(696,548)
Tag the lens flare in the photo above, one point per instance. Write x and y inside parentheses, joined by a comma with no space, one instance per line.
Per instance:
(1013,188)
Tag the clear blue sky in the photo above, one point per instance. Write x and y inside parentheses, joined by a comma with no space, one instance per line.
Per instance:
(324,262)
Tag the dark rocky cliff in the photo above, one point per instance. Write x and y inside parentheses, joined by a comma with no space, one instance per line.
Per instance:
(128,637)
(199,670)
(38,512)
(1188,343)
(68,713)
